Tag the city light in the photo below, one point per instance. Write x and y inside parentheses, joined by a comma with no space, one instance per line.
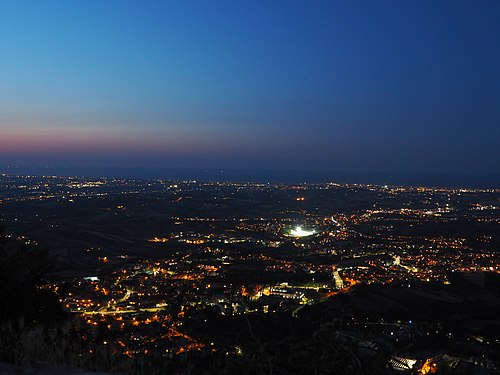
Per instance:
(299,232)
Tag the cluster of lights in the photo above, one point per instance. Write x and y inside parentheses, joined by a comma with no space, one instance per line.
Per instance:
(299,232)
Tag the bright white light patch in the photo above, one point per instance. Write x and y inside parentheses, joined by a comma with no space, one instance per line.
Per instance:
(299,232)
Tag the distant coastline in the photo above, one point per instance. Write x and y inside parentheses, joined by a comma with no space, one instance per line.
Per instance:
(477,181)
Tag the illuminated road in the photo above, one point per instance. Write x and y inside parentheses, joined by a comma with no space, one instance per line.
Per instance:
(129,311)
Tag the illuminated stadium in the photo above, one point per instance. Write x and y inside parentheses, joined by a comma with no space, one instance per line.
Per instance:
(298,231)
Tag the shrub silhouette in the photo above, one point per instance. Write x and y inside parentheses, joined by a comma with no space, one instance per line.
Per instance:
(24,305)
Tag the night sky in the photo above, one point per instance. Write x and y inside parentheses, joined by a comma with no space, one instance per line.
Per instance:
(391,86)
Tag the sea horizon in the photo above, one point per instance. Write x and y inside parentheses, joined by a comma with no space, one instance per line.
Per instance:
(285,176)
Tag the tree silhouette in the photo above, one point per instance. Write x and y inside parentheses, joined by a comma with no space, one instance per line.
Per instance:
(22,300)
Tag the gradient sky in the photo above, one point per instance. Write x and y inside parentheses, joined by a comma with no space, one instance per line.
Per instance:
(341,85)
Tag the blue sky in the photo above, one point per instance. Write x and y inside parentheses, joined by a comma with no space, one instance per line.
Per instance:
(346,85)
